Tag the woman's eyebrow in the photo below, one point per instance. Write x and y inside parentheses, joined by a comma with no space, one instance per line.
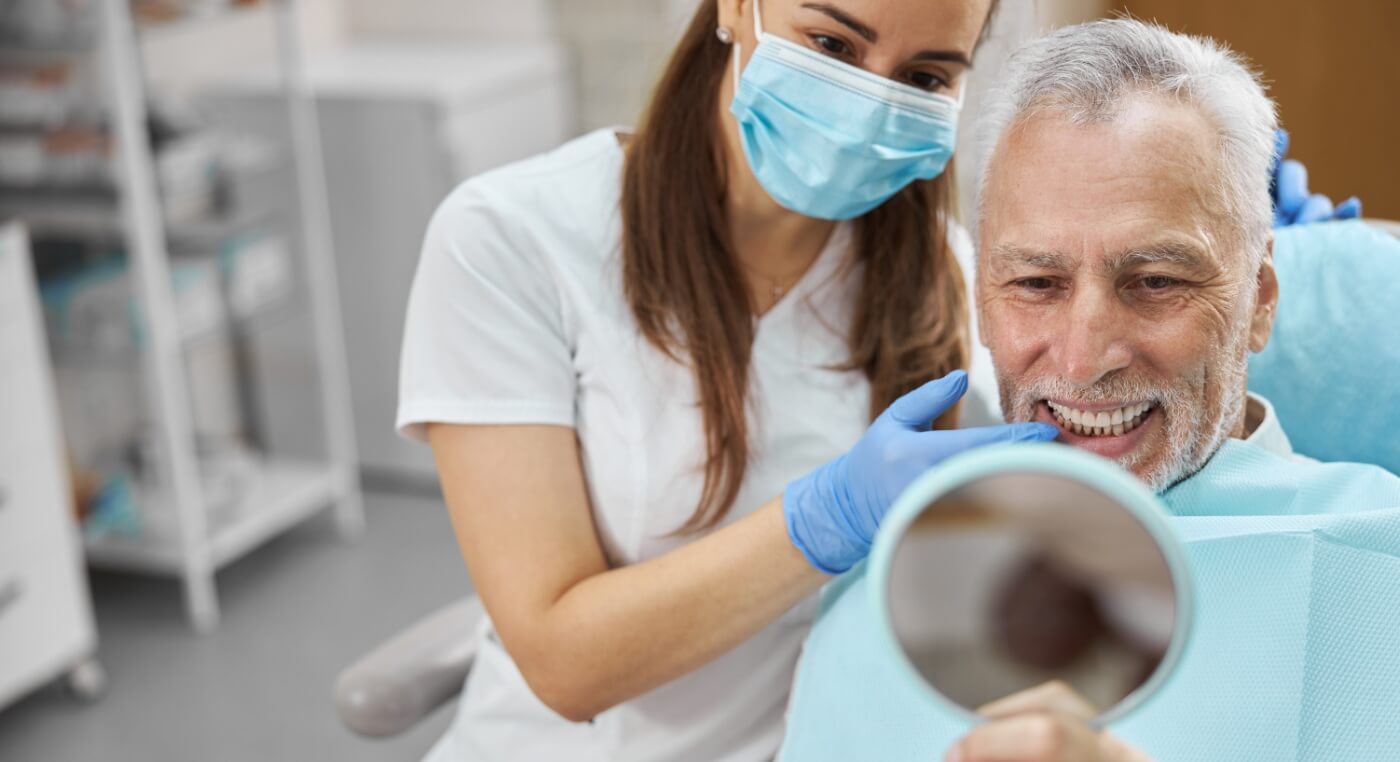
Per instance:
(871,36)
(846,19)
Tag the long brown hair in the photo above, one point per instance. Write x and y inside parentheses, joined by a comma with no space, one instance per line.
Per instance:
(688,295)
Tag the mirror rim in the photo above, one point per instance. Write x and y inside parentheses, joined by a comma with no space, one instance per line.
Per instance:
(1047,458)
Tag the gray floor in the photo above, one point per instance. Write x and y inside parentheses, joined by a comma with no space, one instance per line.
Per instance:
(294,613)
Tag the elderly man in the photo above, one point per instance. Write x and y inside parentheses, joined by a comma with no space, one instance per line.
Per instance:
(1124,274)
(1124,260)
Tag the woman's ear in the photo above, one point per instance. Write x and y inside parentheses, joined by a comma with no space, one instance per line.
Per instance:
(737,17)
(731,13)
(1265,303)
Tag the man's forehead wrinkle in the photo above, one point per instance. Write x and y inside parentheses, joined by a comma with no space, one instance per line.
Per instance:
(1104,197)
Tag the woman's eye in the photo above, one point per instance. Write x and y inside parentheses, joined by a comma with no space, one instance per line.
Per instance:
(927,80)
(832,45)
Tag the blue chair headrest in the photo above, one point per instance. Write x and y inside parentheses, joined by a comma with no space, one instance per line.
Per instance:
(1332,366)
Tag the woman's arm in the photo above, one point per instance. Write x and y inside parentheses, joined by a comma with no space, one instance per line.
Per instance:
(587,637)
(584,636)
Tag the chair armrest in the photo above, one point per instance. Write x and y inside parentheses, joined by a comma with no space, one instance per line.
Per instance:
(403,680)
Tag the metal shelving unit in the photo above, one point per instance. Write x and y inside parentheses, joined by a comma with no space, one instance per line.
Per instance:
(284,492)
(85,213)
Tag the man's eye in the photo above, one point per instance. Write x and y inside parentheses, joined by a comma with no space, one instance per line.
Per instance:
(1036,284)
(1157,282)
(834,46)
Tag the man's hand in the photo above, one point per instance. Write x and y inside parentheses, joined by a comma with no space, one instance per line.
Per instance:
(1048,723)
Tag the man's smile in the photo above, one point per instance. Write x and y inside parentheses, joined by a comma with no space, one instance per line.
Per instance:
(1111,429)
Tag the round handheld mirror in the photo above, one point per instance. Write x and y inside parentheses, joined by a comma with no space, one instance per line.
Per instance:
(1009,568)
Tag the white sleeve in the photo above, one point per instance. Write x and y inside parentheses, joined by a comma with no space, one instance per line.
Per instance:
(982,405)
(485,338)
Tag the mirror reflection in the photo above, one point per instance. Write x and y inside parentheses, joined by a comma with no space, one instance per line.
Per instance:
(1020,579)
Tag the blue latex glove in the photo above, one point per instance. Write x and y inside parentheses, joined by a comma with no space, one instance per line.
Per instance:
(832,513)
(1293,204)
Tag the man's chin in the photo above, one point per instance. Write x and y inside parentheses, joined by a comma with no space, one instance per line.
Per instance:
(1132,450)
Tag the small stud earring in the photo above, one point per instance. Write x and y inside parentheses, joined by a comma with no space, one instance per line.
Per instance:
(725,36)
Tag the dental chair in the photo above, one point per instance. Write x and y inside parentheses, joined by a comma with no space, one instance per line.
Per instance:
(1325,322)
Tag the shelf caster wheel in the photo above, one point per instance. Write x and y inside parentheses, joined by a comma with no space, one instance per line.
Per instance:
(87,681)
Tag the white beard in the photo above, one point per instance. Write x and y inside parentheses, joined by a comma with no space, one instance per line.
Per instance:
(1193,433)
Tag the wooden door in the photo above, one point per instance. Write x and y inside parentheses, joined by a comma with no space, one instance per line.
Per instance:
(1333,67)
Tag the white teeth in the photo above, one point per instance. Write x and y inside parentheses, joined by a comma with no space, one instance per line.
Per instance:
(1097,424)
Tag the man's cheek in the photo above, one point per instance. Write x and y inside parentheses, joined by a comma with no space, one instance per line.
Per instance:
(1017,335)
(1211,312)
(1177,348)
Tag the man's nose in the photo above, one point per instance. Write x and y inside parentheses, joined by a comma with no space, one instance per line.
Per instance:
(1093,343)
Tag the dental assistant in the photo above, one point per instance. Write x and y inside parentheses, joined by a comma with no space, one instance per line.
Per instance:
(647,364)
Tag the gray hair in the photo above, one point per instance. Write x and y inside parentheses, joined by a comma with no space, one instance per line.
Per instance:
(1085,72)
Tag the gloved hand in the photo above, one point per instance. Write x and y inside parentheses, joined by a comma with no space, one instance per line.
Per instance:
(832,513)
(1293,205)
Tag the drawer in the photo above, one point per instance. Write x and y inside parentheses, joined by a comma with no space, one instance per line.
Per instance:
(24,371)
(15,313)
(16,279)
(35,506)
(29,424)
(45,617)
(10,526)
(35,495)
(18,344)
(34,479)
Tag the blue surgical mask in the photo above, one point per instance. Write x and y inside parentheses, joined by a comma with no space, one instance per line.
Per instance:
(830,140)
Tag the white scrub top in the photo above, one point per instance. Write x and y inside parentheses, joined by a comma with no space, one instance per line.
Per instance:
(517,316)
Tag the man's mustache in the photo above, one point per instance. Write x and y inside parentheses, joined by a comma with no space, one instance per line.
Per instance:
(1121,390)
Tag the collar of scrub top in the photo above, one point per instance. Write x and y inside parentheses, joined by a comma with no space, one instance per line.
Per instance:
(1048,458)
(1269,434)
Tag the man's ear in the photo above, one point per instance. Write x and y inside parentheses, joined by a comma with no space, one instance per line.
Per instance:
(1265,302)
